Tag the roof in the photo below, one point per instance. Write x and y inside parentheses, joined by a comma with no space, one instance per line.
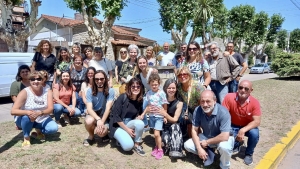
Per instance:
(62,21)
(128,42)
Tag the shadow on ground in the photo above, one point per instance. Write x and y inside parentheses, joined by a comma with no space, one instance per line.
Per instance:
(290,78)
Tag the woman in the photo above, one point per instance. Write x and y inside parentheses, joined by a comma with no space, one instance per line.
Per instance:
(88,83)
(144,71)
(88,51)
(22,81)
(63,94)
(62,64)
(124,126)
(78,76)
(128,69)
(171,134)
(44,60)
(196,64)
(45,77)
(76,50)
(32,108)
(123,58)
(189,91)
(151,56)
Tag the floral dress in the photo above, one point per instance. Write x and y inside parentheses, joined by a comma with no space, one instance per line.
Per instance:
(196,67)
(63,67)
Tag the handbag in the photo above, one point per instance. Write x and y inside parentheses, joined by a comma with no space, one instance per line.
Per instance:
(122,88)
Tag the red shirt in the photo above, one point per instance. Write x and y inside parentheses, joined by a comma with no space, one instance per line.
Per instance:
(241,115)
(65,95)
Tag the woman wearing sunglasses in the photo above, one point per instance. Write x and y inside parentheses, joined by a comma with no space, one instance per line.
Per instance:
(197,65)
(124,126)
(190,91)
(123,57)
(32,108)
(63,94)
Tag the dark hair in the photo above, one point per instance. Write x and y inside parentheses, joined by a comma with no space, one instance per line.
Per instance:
(40,45)
(60,59)
(230,43)
(70,84)
(139,97)
(137,62)
(105,87)
(87,48)
(179,54)
(98,49)
(86,80)
(78,56)
(18,76)
(199,57)
(154,77)
(183,43)
(167,84)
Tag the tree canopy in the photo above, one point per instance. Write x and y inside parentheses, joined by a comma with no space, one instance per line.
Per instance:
(295,40)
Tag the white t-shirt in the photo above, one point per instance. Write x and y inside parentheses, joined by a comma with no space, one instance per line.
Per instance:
(145,80)
(166,58)
(103,64)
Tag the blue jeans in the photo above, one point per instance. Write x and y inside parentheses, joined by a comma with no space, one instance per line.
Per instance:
(49,83)
(124,138)
(233,86)
(59,109)
(224,148)
(253,137)
(47,127)
(219,90)
(79,102)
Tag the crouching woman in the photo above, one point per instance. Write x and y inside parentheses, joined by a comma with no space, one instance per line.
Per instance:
(124,125)
(32,108)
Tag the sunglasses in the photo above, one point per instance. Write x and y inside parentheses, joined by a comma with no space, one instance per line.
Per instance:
(101,79)
(182,75)
(190,49)
(230,46)
(34,79)
(123,52)
(246,88)
(135,87)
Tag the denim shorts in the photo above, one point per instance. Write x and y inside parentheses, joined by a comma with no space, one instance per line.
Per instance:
(156,122)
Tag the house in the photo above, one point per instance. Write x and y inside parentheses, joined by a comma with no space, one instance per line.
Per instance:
(63,31)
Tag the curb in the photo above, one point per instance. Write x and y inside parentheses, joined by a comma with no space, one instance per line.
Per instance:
(274,156)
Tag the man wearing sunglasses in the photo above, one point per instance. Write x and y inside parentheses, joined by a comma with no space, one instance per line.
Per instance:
(233,85)
(245,118)
(223,69)
(99,100)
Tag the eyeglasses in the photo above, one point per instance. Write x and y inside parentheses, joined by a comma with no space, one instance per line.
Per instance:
(101,79)
(213,48)
(182,75)
(97,52)
(246,88)
(190,49)
(135,87)
(34,79)
(123,52)
(230,46)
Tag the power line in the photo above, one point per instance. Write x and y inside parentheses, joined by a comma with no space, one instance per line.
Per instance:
(147,2)
(295,4)
(143,6)
(145,21)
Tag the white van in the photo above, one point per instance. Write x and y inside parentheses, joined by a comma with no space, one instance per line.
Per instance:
(9,64)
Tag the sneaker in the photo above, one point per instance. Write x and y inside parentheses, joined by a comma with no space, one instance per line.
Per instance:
(58,124)
(39,136)
(105,139)
(67,119)
(26,144)
(118,144)
(176,154)
(248,160)
(139,150)
(154,152)
(237,149)
(159,154)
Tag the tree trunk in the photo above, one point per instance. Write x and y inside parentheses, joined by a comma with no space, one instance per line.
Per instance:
(176,36)
(203,33)
(193,36)
(240,46)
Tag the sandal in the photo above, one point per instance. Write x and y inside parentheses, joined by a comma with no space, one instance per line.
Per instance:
(26,144)
(105,139)
(88,142)
(37,136)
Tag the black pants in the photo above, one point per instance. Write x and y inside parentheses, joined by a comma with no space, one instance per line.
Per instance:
(172,138)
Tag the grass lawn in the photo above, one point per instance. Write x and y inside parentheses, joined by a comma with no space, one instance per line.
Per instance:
(280,104)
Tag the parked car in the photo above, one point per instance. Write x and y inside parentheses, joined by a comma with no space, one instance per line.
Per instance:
(260,68)
(9,64)
(270,69)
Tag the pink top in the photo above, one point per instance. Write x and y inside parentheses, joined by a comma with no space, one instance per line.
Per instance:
(64,95)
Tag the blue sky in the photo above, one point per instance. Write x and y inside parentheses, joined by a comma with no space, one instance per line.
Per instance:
(144,14)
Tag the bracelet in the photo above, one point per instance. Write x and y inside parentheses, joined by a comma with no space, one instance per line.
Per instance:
(98,119)
(205,86)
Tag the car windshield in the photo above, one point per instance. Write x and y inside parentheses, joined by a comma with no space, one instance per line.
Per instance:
(259,65)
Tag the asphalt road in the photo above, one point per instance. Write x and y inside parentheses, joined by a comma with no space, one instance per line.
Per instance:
(6,103)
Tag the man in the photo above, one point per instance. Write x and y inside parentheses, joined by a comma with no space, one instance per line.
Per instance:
(223,69)
(245,118)
(183,48)
(100,63)
(214,120)
(207,55)
(99,102)
(238,57)
(167,56)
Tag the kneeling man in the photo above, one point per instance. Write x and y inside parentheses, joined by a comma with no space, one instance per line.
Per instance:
(214,119)
(245,118)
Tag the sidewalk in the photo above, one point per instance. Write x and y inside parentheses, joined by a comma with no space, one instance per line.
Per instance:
(291,160)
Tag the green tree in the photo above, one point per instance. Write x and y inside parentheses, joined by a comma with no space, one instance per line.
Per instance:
(15,37)
(220,24)
(286,64)
(295,40)
(98,36)
(282,39)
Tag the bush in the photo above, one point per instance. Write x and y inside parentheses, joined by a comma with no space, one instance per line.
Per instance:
(286,64)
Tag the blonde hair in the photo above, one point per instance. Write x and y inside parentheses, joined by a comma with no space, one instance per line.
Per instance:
(127,56)
(187,71)
(44,74)
(151,48)
(35,73)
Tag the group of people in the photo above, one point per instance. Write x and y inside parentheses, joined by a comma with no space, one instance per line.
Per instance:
(196,103)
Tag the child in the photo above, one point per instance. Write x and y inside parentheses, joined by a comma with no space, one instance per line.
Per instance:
(155,97)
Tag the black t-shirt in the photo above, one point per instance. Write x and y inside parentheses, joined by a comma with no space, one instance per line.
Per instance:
(172,106)
(132,109)
(44,64)
(238,57)
(119,64)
